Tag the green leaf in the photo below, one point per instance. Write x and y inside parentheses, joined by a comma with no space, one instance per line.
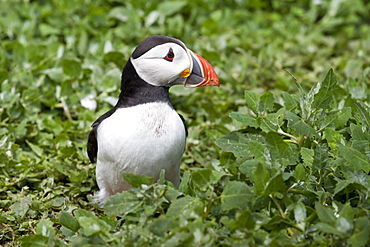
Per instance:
(56,74)
(260,104)
(71,67)
(351,68)
(235,142)
(325,92)
(235,195)
(276,144)
(3,75)
(204,178)
(328,228)
(307,155)
(246,119)
(122,203)
(46,29)
(355,157)
(347,212)
(35,240)
(325,214)
(82,43)
(249,167)
(162,225)
(299,125)
(273,121)
(21,207)
(266,103)
(267,125)
(258,150)
(308,193)
(115,57)
(333,138)
(31,100)
(327,120)
(363,113)
(35,148)
(243,220)
(170,8)
(277,223)
(162,177)
(343,225)
(66,232)
(68,221)
(290,103)
(299,172)
(56,55)
(343,116)
(89,225)
(252,100)
(44,227)
(261,177)
(187,205)
(348,186)
(358,133)
(276,184)
(136,180)
(78,177)
(66,88)
(362,146)
(83,213)
(184,185)
(361,233)
(58,201)
(321,156)
(300,214)
(201,179)
(356,89)
(171,194)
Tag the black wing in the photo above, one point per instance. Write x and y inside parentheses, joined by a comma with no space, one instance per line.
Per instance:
(183,121)
(92,141)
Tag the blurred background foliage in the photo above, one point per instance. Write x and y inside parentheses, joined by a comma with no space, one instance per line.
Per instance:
(60,66)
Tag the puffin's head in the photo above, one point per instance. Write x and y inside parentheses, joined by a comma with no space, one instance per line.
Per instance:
(165,61)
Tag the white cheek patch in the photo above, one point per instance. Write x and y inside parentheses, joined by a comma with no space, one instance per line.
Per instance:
(152,71)
(157,71)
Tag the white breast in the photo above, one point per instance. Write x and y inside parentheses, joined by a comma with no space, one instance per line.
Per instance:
(143,139)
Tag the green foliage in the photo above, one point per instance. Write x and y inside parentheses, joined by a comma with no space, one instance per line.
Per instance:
(309,156)
(271,160)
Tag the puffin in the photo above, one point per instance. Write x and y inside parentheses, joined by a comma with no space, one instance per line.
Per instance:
(142,133)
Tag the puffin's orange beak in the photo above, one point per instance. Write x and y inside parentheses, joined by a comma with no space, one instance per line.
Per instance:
(202,73)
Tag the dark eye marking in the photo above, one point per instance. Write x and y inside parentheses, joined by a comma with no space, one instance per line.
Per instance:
(170,56)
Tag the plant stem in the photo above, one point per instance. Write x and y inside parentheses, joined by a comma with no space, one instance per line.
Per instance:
(66,109)
(295,139)
(277,204)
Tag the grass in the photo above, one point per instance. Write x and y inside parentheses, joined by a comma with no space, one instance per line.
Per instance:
(273,157)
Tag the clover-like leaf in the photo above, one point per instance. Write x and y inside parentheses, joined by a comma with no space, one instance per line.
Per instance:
(235,195)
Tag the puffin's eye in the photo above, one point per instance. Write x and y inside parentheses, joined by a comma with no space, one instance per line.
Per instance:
(170,56)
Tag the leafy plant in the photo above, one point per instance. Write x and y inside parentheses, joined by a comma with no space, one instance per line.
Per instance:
(304,159)
(295,165)
(299,176)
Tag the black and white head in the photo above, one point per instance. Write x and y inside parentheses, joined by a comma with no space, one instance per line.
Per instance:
(165,61)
